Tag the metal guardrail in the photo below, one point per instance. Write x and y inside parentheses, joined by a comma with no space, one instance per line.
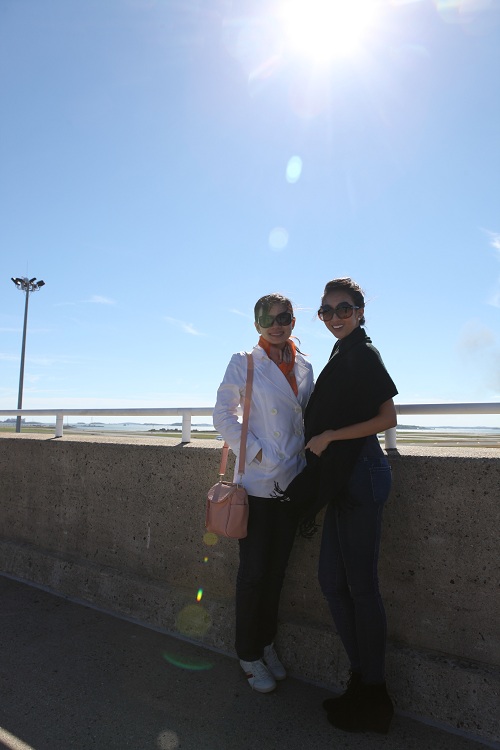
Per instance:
(188,412)
(492,407)
(185,413)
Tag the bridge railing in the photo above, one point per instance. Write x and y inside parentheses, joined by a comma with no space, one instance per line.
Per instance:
(187,413)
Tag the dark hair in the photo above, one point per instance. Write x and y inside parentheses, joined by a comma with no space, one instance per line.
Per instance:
(265,303)
(353,290)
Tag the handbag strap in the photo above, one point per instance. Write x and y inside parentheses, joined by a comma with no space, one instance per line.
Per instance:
(244,425)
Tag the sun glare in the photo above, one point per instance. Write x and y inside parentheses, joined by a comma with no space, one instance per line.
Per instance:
(323,29)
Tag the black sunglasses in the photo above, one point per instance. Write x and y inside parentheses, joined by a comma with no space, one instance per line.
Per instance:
(282,319)
(342,311)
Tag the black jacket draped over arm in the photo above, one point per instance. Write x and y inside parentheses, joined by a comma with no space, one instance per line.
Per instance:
(350,389)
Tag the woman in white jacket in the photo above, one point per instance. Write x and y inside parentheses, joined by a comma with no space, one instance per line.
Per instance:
(283,381)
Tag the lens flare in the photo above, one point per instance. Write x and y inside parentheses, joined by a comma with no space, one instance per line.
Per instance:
(293,169)
(278,238)
(210,539)
(193,621)
(168,740)
(199,595)
(192,663)
(205,559)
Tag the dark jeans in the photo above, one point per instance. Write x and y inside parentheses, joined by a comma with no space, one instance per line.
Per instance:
(348,568)
(264,554)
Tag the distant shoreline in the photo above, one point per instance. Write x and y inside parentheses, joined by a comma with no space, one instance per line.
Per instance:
(478,437)
(207,427)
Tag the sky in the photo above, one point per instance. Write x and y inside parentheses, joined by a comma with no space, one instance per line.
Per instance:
(166,163)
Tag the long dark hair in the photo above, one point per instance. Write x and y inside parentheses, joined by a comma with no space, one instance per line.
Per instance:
(346,284)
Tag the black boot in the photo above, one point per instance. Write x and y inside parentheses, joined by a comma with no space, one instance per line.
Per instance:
(341,701)
(371,710)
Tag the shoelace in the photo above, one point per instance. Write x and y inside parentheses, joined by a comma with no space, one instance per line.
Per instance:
(259,670)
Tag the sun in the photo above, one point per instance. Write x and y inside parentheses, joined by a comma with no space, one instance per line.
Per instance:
(324,29)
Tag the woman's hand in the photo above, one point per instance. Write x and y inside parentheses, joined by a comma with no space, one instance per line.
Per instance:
(384,420)
(319,443)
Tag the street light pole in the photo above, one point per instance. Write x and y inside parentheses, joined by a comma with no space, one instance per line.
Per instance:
(27,286)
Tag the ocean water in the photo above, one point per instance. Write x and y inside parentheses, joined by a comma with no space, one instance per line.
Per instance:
(451,430)
(133,426)
(145,427)
(487,437)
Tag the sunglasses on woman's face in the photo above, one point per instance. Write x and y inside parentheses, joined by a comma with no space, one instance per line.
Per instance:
(342,311)
(282,319)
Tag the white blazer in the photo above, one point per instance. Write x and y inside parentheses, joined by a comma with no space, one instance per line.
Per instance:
(275,425)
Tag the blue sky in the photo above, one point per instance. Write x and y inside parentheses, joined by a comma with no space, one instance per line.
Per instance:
(165,164)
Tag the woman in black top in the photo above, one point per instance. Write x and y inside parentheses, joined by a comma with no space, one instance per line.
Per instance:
(352,401)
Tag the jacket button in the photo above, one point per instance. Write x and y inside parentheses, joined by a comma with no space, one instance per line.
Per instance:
(281,456)
(274,411)
(277,434)
(298,409)
(298,432)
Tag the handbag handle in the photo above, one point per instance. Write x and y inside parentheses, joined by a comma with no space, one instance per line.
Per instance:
(244,425)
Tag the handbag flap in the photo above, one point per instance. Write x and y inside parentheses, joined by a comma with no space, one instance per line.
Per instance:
(221,492)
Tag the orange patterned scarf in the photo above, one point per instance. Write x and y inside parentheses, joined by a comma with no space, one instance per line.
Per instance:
(287,362)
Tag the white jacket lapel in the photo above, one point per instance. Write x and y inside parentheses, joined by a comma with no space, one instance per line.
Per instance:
(268,370)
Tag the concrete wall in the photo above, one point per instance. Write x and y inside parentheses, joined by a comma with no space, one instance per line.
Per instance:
(119,523)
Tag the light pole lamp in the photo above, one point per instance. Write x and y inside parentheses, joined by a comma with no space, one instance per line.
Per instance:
(27,286)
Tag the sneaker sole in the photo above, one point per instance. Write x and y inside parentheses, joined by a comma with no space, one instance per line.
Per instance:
(278,679)
(259,689)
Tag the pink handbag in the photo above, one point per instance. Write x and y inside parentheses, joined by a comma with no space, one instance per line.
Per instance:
(227,502)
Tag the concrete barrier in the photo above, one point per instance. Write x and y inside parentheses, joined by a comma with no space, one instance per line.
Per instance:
(119,523)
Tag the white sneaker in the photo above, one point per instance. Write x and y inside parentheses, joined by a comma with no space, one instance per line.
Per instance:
(273,663)
(258,676)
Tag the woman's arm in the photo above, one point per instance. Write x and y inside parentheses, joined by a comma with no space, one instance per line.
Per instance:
(229,397)
(384,420)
